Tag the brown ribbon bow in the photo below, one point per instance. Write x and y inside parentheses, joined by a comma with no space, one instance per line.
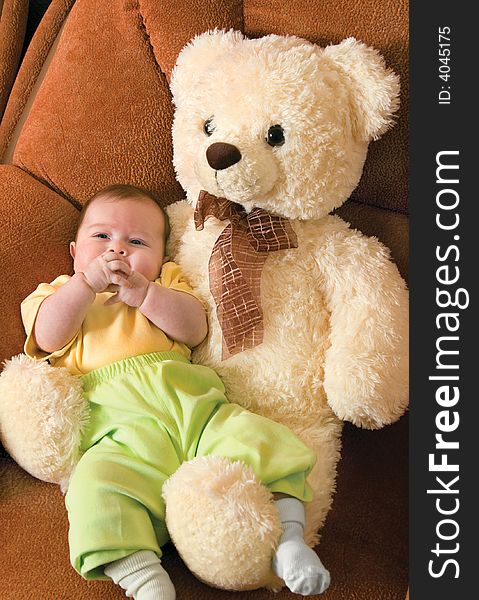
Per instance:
(236,264)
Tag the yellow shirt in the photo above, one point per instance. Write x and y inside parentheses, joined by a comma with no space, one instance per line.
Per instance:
(108,333)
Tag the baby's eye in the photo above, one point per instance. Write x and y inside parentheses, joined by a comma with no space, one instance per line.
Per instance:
(101,236)
(136,242)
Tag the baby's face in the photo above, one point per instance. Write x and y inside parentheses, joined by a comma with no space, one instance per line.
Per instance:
(132,228)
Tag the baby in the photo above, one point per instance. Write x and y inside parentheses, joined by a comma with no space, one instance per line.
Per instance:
(125,322)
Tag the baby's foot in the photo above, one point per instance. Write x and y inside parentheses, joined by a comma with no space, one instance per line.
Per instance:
(142,577)
(300,568)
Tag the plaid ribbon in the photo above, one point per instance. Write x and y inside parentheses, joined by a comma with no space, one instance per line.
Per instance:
(236,264)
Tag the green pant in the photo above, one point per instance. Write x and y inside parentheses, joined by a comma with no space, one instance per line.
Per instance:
(149,414)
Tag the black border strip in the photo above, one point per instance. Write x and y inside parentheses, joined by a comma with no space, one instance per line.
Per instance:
(443,254)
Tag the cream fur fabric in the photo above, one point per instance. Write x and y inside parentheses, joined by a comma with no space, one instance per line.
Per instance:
(42,415)
(335,309)
(224,522)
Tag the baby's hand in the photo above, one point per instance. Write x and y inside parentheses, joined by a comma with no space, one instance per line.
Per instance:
(131,290)
(106,270)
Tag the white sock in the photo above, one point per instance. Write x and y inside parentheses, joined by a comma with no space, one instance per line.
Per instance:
(295,562)
(142,576)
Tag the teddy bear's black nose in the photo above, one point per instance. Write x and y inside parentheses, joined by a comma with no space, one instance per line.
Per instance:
(221,156)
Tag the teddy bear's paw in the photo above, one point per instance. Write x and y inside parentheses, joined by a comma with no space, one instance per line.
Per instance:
(365,394)
(42,415)
(223,522)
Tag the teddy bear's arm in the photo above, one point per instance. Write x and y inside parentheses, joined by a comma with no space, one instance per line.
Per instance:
(366,364)
(179,215)
(43,414)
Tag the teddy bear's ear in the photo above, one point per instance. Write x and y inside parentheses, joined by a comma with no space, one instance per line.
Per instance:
(373,88)
(195,57)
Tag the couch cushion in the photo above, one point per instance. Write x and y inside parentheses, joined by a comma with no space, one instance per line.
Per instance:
(36,226)
(102,113)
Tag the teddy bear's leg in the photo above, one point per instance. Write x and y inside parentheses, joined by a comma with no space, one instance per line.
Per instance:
(223,522)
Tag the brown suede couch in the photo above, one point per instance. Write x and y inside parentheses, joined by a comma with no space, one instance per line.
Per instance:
(13,23)
(90,106)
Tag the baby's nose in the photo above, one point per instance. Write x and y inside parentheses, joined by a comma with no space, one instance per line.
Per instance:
(118,249)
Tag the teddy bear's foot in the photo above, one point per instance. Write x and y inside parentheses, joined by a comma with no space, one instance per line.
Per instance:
(224,523)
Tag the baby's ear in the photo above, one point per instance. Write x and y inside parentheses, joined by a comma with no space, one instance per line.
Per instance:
(373,88)
(195,58)
(72,249)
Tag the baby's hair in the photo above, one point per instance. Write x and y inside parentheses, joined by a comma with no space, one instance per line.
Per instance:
(123,191)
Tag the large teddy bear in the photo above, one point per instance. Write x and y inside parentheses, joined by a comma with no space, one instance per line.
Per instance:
(275,130)
(308,318)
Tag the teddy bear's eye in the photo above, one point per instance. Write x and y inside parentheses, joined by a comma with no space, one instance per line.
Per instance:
(208,127)
(275,135)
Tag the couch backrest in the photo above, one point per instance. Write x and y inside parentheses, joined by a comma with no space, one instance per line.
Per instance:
(99,110)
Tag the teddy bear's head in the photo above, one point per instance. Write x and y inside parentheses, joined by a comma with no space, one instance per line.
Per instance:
(277,123)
